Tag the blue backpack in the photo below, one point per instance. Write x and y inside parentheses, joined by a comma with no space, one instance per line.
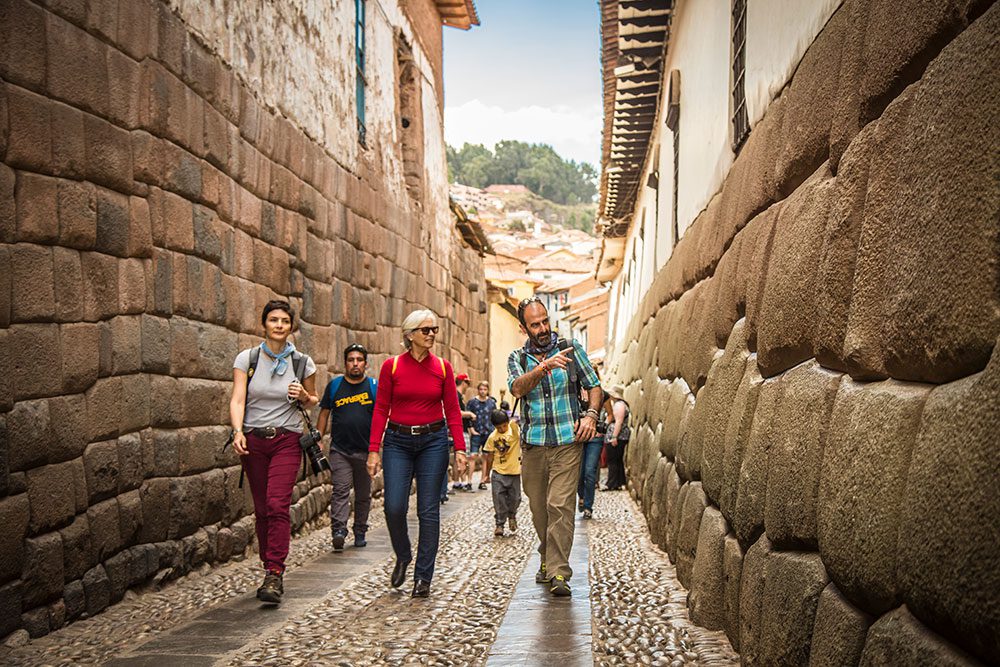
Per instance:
(335,383)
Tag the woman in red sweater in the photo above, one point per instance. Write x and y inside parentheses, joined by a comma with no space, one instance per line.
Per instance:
(416,400)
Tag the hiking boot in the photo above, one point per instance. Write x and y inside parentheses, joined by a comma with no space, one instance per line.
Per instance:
(339,536)
(498,531)
(588,514)
(270,591)
(541,577)
(512,522)
(359,540)
(559,586)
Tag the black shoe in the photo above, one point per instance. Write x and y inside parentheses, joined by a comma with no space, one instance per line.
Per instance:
(359,540)
(444,499)
(467,487)
(399,573)
(338,539)
(482,486)
(421,589)
(272,589)
(587,514)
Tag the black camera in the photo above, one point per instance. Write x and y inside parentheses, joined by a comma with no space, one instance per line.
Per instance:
(602,427)
(309,442)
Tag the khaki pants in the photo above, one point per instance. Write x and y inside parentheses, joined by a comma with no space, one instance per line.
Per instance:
(550,476)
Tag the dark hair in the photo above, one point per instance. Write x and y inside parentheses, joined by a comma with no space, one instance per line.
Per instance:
(521,307)
(277,304)
(499,417)
(504,405)
(355,347)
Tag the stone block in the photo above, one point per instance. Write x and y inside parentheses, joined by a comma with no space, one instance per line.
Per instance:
(78,550)
(694,506)
(215,495)
(788,306)
(707,598)
(100,276)
(69,145)
(948,530)
(197,448)
(674,520)
(129,517)
(130,463)
(944,315)
(900,639)
(165,403)
(28,433)
(679,402)
(14,516)
(77,211)
(864,337)
(140,232)
(75,599)
(757,258)
(29,144)
(719,394)
(238,500)
(32,284)
(202,350)
(792,585)
(809,102)
(43,569)
(154,497)
(8,207)
(126,336)
(135,402)
(732,570)
(79,344)
(100,461)
(112,223)
(51,506)
(838,635)
(109,154)
(155,336)
(105,528)
(124,82)
(97,589)
(68,415)
(79,489)
(104,408)
(864,471)
(737,435)
(22,43)
(132,289)
(751,494)
(37,216)
(117,568)
(36,622)
(67,284)
(752,581)
(187,505)
(11,596)
(800,428)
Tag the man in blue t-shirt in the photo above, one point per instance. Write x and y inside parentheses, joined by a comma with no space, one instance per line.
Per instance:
(481,405)
(346,413)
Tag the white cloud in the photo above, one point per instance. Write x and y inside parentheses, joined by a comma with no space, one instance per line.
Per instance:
(575,133)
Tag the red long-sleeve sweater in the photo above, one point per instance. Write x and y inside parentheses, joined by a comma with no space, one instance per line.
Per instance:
(414,395)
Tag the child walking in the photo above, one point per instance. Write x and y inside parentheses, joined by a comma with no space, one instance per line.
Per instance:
(504,447)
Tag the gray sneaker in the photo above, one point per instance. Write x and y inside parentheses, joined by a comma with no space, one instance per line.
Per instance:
(559,586)
(541,577)
(338,539)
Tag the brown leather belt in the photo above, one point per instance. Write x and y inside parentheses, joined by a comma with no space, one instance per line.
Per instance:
(268,432)
(416,430)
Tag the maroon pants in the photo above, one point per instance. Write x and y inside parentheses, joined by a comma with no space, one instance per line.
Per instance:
(272,466)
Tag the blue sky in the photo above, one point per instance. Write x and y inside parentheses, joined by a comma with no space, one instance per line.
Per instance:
(530,72)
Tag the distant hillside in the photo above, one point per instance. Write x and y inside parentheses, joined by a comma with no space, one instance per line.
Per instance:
(536,166)
(575,216)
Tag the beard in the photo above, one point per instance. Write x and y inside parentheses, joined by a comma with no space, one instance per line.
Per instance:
(355,373)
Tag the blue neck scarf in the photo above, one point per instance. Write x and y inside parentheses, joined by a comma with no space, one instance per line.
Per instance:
(280,359)
(541,350)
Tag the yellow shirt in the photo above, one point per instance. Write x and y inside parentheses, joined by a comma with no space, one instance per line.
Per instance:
(506,448)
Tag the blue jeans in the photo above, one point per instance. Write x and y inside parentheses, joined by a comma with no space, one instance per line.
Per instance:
(589,471)
(424,457)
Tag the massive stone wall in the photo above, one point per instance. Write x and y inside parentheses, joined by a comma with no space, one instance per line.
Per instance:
(151,200)
(817,434)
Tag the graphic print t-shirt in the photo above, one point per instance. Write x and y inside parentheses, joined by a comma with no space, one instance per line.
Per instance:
(350,415)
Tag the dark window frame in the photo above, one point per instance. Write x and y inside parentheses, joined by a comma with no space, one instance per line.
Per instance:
(360,45)
(741,123)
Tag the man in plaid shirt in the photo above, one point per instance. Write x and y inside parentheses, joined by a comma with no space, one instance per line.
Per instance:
(553,431)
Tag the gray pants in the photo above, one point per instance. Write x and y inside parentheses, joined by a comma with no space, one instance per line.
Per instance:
(506,495)
(346,470)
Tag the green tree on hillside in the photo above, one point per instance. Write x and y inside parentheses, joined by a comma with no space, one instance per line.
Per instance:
(536,166)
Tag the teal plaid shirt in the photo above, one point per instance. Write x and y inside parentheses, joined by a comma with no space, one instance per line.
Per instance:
(548,413)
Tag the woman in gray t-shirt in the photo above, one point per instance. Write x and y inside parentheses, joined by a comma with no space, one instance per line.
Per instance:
(264,413)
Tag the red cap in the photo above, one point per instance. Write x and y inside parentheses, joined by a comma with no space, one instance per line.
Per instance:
(462,377)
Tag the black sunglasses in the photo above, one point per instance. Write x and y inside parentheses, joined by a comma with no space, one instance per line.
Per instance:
(427,331)
(521,307)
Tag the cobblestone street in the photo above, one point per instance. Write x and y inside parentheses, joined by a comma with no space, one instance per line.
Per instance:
(484,609)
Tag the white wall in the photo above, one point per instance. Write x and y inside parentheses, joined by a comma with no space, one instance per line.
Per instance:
(778,34)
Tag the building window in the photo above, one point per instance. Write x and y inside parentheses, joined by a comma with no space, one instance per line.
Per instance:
(359,61)
(741,126)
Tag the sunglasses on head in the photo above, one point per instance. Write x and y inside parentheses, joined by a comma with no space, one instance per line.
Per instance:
(427,331)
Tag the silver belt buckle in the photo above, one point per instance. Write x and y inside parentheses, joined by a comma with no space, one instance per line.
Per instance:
(270,432)
(414,430)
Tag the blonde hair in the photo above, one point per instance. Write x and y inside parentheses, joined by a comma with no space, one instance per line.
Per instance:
(414,320)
